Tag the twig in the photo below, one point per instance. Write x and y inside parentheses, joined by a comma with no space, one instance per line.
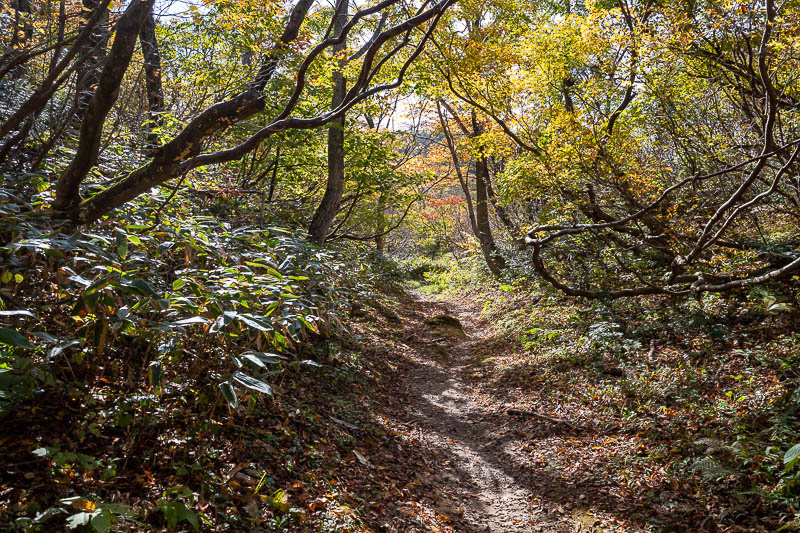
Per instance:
(343,423)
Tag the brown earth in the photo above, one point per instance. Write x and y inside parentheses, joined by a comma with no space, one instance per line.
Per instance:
(480,463)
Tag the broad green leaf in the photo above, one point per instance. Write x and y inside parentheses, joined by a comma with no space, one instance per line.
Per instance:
(791,454)
(253,322)
(47,514)
(265,357)
(309,325)
(252,383)
(279,501)
(97,285)
(20,312)
(176,512)
(229,393)
(78,519)
(253,359)
(191,320)
(56,351)
(122,244)
(46,337)
(117,508)
(101,521)
(141,287)
(13,338)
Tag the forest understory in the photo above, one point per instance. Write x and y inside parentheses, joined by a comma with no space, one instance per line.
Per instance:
(429,416)
(521,440)
(400,266)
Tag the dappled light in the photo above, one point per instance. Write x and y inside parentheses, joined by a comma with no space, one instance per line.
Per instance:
(394,266)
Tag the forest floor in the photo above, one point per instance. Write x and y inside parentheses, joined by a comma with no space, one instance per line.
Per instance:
(428,416)
(482,481)
(483,460)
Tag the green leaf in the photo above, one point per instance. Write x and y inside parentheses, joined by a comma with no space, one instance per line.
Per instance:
(254,359)
(155,372)
(54,252)
(275,273)
(252,383)
(20,312)
(253,322)
(280,340)
(47,514)
(13,338)
(97,285)
(100,521)
(309,325)
(791,454)
(46,337)
(140,286)
(279,501)
(229,394)
(78,519)
(779,307)
(122,244)
(176,512)
(56,351)
(260,358)
(117,508)
(191,320)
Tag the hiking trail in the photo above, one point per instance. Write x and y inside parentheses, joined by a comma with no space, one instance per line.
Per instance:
(483,481)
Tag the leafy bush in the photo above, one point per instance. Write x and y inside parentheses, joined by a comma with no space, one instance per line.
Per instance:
(243,299)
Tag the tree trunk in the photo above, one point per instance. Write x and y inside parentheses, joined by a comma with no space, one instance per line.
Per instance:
(274,180)
(23,31)
(323,217)
(494,260)
(152,75)
(91,56)
(502,214)
(380,241)
(183,152)
(127,31)
(167,159)
(56,76)
(463,180)
(479,212)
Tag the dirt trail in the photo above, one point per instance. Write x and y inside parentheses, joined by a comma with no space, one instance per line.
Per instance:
(484,483)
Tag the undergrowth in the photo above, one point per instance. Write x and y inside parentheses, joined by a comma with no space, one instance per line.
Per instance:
(708,388)
(151,369)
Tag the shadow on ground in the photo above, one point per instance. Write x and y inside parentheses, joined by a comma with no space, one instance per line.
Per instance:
(477,468)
